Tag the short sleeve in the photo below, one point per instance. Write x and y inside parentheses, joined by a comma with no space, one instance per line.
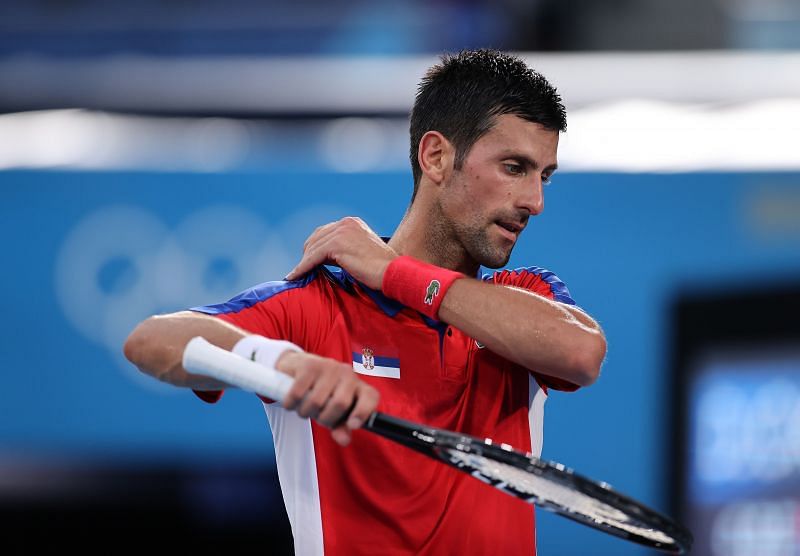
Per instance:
(535,279)
(547,284)
(271,309)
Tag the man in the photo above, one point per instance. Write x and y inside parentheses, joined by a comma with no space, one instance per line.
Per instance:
(439,345)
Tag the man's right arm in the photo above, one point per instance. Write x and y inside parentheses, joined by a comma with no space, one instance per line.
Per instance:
(156,346)
(324,389)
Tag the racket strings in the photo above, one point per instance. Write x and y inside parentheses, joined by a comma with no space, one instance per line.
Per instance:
(546,492)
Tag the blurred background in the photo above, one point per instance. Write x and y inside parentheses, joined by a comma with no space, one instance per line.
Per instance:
(160,154)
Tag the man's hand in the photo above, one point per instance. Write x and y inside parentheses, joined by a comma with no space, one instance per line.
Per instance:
(350,244)
(329,392)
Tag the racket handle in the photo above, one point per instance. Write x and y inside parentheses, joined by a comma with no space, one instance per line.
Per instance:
(203,358)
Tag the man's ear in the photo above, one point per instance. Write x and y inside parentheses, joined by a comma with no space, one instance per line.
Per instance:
(436,156)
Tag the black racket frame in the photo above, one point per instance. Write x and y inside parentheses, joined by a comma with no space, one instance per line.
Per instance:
(437,443)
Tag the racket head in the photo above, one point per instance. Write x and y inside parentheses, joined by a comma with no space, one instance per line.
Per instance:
(549,485)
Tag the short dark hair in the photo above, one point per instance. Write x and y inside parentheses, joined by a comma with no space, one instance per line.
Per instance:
(461,97)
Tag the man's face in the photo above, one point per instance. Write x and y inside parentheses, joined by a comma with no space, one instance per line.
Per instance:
(488,201)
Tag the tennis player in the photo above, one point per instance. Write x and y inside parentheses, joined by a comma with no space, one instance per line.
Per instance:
(408,321)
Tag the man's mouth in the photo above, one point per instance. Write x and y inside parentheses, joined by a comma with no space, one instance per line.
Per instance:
(511,229)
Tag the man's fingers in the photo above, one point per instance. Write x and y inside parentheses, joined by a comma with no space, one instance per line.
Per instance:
(319,394)
(366,402)
(341,435)
(329,391)
(313,252)
(309,261)
(303,381)
(339,404)
(317,254)
(317,234)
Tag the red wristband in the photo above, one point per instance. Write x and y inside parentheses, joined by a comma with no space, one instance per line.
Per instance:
(418,285)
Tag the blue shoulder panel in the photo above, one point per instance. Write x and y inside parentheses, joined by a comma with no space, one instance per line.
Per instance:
(559,288)
(254,295)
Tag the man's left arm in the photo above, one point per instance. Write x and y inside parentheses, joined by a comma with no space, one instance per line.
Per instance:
(542,335)
(548,337)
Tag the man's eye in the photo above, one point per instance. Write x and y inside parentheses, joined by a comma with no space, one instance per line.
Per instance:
(546,180)
(514,169)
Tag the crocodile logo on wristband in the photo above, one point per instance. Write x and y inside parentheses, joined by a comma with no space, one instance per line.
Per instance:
(433,290)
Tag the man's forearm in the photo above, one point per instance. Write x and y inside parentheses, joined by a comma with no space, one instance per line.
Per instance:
(542,335)
(156,346)
(324,389)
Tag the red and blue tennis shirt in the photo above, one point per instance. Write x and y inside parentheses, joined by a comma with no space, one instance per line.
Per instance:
(374,496)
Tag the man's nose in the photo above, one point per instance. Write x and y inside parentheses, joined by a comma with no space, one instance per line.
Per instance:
(532,198)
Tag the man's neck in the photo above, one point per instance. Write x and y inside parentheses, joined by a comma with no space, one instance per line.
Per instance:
(423,235)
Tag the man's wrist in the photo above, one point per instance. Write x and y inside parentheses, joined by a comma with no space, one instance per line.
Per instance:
(382,271)
(417,284)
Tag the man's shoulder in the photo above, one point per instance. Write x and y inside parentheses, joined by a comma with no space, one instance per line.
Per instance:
(315,286)
(319,282)
(535,278)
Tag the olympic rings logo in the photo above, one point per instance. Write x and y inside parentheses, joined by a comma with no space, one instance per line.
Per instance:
(122,263)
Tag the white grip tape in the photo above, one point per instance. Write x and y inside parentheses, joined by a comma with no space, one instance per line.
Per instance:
(202,358)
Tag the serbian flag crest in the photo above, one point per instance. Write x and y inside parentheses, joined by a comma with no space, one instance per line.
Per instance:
(381,362)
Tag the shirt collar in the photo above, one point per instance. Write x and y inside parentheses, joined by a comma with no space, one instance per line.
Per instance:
(388,305)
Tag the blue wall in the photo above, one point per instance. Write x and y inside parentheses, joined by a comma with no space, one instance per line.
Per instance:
(87,255)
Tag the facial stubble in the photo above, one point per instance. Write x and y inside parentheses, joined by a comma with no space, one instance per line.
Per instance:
(467,243)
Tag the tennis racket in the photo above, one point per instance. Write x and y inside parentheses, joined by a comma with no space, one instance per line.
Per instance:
(549,485)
